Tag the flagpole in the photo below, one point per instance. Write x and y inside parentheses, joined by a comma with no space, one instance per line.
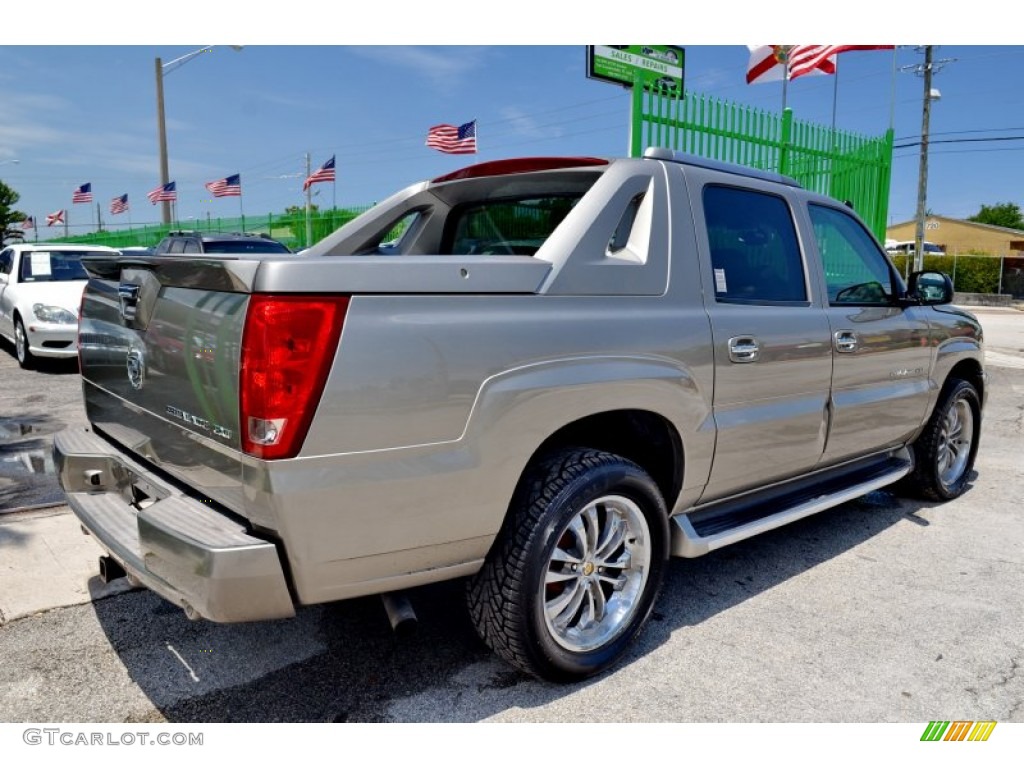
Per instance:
(309,203)
(835,99)
(785,79)
(241,209)
(892,91)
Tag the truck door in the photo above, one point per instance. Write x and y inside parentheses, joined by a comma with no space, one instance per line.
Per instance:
(772,351)
(882,357)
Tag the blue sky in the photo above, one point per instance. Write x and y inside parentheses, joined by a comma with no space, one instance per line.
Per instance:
(75,113)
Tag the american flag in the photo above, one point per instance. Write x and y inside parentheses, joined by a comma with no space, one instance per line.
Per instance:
(163,194)
(804,59)
(455,140)
(29,223)
(324,173)
(230,186)
(119,204)
(82,195)
(57,217)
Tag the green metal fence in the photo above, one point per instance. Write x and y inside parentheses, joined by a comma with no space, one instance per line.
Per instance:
(289,228)
(843,165)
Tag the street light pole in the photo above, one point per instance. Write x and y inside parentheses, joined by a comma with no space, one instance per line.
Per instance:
(161,70)
(162,130)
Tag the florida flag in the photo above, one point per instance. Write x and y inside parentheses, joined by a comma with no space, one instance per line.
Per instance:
(768,63)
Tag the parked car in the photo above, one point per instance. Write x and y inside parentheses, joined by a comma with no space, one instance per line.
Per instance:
(40,293)
(195,243)
(909,247)
(561,372)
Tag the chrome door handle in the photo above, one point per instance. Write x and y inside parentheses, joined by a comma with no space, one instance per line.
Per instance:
(744,349)
(846,341)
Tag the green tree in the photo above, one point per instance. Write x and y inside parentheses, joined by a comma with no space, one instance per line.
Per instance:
(1000,215)
(9,216)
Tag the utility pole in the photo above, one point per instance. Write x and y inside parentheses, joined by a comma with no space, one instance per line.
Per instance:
(926,70)
(922,175)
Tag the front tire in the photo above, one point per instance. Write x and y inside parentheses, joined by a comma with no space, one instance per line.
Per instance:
(21,350)
(944,452)
(577,566)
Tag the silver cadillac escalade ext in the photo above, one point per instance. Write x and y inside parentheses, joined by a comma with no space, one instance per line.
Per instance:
(543,375)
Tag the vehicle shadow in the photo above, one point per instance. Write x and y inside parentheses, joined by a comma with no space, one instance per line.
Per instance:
(58,366)
(342,662)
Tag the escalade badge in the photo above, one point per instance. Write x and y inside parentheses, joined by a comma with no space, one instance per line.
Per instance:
(136,368)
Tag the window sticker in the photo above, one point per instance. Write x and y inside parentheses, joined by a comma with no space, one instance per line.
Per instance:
(40,264)
(720,286)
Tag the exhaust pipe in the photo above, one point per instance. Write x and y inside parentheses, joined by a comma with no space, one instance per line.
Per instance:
(400,613)
(110,569)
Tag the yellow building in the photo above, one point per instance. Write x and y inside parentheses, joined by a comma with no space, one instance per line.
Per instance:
(957,236)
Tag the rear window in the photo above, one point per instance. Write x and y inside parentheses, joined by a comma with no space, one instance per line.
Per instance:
(244,246)
(52,266)
(517,226)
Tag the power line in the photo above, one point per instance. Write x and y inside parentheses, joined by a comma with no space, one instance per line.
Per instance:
(956,133)
(958,141)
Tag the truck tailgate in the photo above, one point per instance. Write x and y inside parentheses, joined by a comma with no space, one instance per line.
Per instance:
(161,344)
(159,347)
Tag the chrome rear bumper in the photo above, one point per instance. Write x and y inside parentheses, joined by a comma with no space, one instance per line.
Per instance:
(177,546)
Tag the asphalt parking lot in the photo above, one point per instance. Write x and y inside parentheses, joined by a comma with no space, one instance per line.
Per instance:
(881,610)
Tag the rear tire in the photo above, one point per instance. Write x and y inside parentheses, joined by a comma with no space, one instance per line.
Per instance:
(577,567)
(944,452)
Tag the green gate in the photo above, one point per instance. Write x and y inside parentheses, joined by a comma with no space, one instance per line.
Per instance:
(843,165)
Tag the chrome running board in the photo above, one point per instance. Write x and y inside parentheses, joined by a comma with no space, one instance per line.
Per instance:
(687,542)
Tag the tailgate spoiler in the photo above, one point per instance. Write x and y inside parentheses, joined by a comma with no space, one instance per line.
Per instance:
(335,274)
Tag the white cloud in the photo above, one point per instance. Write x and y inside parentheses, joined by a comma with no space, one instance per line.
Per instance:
(522,124)
(444,67)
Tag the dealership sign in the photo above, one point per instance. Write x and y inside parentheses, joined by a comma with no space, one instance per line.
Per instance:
(660,66)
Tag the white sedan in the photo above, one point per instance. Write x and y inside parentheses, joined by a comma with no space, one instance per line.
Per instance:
(40,293)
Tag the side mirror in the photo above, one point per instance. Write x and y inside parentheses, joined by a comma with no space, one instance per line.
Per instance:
(930,288)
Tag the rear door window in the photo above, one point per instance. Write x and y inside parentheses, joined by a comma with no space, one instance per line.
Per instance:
(755,254)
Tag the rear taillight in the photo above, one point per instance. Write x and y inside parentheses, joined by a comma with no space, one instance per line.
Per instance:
(288,346)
